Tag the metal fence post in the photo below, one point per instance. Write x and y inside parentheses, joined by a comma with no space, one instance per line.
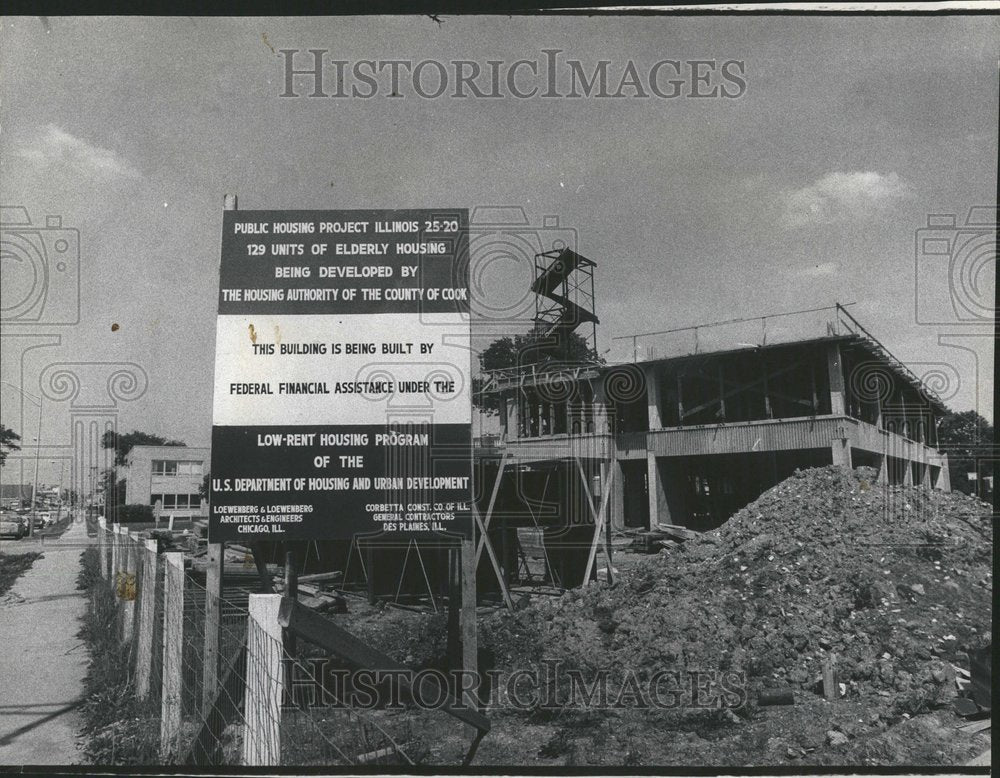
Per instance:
(264,683)
(173,647)
(147,615)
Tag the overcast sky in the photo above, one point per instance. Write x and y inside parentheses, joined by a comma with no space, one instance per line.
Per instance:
(808,188)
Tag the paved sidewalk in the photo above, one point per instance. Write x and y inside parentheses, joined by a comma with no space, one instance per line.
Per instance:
(42,662)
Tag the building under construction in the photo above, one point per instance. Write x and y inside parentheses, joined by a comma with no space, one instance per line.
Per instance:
(694,427)
(696,424)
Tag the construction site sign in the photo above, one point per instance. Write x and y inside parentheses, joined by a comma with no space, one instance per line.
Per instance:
(342,376)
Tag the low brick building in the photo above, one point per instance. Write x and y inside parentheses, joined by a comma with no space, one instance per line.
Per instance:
(172,475)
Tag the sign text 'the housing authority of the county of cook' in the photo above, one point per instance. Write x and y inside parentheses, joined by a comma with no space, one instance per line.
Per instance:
(342,375)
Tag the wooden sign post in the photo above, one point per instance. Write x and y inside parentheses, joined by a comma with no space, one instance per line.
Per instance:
(469,627)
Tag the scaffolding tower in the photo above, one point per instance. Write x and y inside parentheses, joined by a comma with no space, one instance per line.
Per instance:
(564,300)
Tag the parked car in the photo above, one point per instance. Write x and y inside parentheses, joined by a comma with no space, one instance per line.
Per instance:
(12,525)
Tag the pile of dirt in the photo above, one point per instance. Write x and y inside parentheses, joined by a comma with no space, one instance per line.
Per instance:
(896,582)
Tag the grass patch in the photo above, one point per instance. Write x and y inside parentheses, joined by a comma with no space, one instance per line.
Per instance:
(12,566)
(117,729)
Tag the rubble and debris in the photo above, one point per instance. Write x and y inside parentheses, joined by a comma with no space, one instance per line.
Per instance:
(981,675)
(965,707)
(776,697)
(809,569)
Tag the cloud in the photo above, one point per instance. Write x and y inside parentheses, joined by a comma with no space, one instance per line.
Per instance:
(840,197)
(58,148)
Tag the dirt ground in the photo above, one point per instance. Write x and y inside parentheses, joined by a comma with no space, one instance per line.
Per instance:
(891,587)
(792,735)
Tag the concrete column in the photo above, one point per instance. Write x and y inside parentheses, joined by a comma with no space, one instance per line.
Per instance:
(835,375)
(883,469)
(653,398)
(841,450)
(508,415)
(840,447)
(674,499)
(944,476)
(654,488)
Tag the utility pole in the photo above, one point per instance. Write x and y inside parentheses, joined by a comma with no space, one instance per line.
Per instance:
(34,481)
(62,471)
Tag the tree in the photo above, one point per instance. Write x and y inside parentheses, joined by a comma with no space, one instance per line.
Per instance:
(113,491)
(524,350)
(123,444)
(8,442)
(205,489)
(968,440)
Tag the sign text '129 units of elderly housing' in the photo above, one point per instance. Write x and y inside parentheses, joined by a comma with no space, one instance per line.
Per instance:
(342,375)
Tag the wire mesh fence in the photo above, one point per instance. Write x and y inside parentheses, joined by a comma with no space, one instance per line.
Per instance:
(232,688)
(297,716)
(158,610)
(320,727)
